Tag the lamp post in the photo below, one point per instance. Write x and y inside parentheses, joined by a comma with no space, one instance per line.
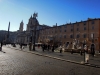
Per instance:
(88,31)
(84,49)
(79,37)
(34,37)
(92,38)
(31,37)
(35,28)
(73,42)
(87,40)
(73,31)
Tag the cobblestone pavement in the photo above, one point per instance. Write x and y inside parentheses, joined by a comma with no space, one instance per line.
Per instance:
(15,62)
(65,55)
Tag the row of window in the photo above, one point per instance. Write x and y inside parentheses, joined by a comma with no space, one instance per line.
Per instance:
(91,23)
(84,28)
(71,36)
(72,29)
(84,23)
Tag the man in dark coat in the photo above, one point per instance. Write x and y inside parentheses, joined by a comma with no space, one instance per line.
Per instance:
(43,47)
(60,49)
(21,46)
(30,46)
(1,46)
(53,48)
(93,49)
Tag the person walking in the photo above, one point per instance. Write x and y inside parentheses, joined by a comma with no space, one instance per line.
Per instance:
(1,46)
(30,46)
(86,55)
(60,49)
(48,47)
(43,46)
(21,46)
(52,48)
(93,49)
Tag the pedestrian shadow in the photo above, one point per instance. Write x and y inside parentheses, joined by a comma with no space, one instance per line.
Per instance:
(61,55)
(3,51)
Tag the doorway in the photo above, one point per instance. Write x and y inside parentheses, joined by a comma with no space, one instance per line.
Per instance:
(67,44)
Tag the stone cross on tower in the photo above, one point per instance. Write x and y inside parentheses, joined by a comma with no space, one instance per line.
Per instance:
(35,15)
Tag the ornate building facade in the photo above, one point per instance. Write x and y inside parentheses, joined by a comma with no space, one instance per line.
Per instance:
(33,26)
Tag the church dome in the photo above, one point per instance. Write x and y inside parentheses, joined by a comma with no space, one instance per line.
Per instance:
(35,21)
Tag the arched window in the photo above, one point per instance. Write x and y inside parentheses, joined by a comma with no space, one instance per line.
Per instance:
(71,36)
(71,29)
(84,36)
(78,36)
(92,27)
(64,36)
(84,28)
(64,30)
(77,29)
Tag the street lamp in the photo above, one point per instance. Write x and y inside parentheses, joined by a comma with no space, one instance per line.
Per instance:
(34,38)
(84,49)
(35,28)
(92,36)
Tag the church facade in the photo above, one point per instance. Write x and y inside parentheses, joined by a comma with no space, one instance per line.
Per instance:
(28,35)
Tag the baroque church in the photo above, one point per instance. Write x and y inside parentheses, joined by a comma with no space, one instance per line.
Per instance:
(31,32)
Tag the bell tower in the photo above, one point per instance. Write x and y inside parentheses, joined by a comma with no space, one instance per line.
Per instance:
(21,26)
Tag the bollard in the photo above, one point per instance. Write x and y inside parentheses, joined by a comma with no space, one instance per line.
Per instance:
(71,51)
(60,51)
(0,49)
(81,52)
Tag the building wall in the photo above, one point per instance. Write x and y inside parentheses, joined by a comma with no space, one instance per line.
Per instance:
(98,36)
(63,33)
(3,35)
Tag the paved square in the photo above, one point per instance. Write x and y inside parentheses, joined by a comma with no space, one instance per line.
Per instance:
(15,62)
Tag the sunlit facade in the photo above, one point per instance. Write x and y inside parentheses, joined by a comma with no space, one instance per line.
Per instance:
(82,32)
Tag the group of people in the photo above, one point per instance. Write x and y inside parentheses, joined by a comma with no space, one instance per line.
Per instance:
(52,47)
(48,47)
(92,48)
(44,47)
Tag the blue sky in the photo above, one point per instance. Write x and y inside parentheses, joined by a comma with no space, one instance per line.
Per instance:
(50,12)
